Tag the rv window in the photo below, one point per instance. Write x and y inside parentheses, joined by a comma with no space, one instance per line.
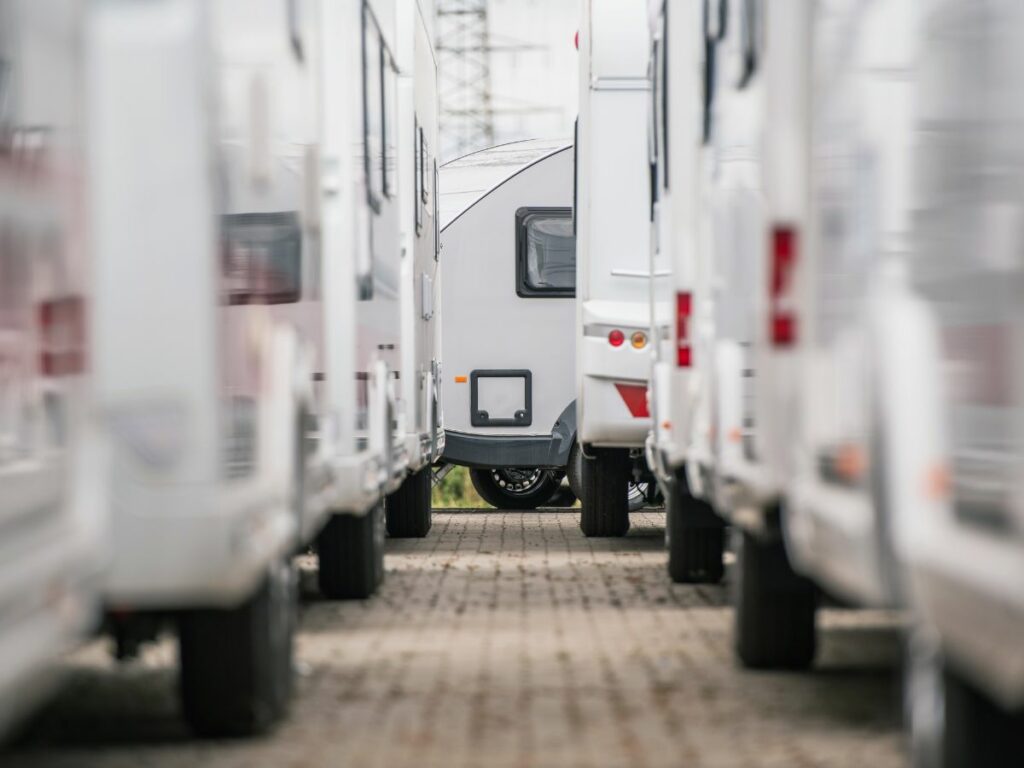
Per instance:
(437,219)
(545,253)
(663,96)
(295,29)
(750,29)
(373,123)
(388,78)
(262,257)
(418,187)
(424,190)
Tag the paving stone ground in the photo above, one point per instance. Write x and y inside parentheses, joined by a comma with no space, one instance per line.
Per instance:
(508,639)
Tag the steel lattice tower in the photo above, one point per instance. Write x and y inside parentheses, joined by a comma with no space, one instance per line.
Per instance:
(464,76)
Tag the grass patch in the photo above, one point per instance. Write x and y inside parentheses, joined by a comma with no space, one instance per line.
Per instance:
(456,491)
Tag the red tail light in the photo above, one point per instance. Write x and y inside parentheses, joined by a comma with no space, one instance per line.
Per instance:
(684,309)
(62,336)
(782,325)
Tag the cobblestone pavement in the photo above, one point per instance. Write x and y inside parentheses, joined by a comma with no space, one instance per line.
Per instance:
(507,639)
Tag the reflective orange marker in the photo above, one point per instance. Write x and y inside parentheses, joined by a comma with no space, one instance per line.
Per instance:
(851,464)
(461,379)
(937,482)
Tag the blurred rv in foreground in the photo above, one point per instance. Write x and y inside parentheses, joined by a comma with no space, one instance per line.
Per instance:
(965,546)
(247,326)
(53,532)
(612,208)
(839,204)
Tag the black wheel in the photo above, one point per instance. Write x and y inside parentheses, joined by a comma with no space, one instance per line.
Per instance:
(695,537)
(775,607)
(637,495)
(236,664)
(351,554)
(951,723)
(407,510)
(514,488)
(605,480)
(562,497)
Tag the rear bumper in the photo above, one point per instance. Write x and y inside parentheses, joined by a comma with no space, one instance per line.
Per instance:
(549,451)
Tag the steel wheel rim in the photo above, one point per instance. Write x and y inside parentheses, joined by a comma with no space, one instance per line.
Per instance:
(518,482)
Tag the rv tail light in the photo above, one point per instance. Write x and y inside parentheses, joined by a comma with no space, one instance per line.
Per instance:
(781,310)
(638,340)
(62,336)
(635,398)
(684,309)
(616,338)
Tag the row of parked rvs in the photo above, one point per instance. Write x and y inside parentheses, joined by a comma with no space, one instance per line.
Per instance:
(218,346)
(797,232)
(837,217)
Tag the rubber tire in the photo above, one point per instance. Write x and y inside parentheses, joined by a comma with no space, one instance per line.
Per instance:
(775,607)
(695,538)
(605,480)
(574,470)
(562,497)
(976,731)
(407,510)
(351,554)
(498,497)
(236,664)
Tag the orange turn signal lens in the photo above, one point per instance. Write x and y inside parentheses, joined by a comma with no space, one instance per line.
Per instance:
(638,340)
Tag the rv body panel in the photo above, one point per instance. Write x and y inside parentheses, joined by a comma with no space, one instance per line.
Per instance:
(420,284)
(612,221)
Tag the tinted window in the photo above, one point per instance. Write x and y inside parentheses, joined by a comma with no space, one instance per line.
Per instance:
(546,252)
(373,103)
(262,257)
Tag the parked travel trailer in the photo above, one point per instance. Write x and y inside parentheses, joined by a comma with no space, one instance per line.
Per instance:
(408,508)
(966,673)
(612,207)
(52,517)
(251,400)
(507,320)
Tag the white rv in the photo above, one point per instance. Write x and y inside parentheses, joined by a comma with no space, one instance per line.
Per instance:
(862,437)
(246,322)
(731,184)
(52,516)
(612,207)
(408,508)
(507,325)
(966,676)
(687,164)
